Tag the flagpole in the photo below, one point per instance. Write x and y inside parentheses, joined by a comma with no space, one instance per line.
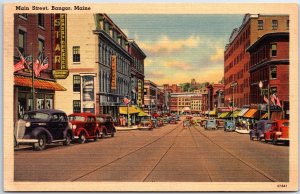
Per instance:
(33,92)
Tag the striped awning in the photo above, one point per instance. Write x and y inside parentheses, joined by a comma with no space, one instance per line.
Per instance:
(243,111)
(251,113)
(264,116)
(234,114)
(224,115)
(38,83)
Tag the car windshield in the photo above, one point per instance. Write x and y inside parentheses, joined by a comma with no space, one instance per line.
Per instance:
(268,125)
(100,119)
(76,118)
(36,115)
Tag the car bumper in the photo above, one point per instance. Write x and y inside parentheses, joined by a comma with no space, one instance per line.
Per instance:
(282,139)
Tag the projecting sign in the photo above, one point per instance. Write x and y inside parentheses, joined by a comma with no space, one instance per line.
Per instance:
(113,72)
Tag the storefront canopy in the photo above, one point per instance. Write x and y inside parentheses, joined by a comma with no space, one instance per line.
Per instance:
(131,110)
(252,113)
(224,115)
(143,114)
(38,83)
(264,116)
(212,112)
(243,111)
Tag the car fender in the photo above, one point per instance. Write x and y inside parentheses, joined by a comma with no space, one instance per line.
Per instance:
(80,130)
(68,130)
(40,130)
(99,130)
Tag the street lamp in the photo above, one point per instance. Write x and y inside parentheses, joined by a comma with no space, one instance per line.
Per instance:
(233,84)
(268,92)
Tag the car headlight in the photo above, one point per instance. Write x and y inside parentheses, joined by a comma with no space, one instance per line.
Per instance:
(74,127)
(70,125)
(27,124)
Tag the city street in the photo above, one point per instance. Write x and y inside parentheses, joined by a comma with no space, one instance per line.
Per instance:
(169,153)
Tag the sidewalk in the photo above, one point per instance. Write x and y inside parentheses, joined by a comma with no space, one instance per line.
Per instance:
(125,128)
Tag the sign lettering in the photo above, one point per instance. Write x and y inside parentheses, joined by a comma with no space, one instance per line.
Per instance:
(113,72)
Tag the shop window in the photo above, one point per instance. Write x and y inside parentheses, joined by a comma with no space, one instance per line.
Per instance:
(22,41)
(76,53)
(273,50)
(41,20)
(76,83)
(40,102)
(260,24)
(49,101)
(273,72)
(76,106)
(274,24)
(21,105)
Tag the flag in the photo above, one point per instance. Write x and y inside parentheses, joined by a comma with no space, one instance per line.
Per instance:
(126,100)
(40,65)
(266,100)
(44,65)
(278,101)
(20,65)
(273,98)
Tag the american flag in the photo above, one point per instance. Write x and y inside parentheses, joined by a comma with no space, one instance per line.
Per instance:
(20,65)
(266,100)
(40,65)
(126,100)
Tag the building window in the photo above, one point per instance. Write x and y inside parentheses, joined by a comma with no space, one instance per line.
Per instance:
(76,106)
(23,16)
(287,24)
(273,72)
(41,45)
(273,50)
(41,21)
(22,41)
(76,83)
(76,53)
(273,90)
(274,24)
(260,24)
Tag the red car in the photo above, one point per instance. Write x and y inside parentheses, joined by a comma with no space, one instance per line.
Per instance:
(279,132)
(85,126)
(106,124)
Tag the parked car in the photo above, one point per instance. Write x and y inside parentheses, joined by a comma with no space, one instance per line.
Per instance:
(85,126)
(203,122)
(41,127)
(211,124)
(177,117)
(279,132)
(220,123)
(173,120)
(106,124)
(262,127)
(229,125)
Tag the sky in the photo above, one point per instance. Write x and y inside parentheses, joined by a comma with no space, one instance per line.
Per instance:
(180,47)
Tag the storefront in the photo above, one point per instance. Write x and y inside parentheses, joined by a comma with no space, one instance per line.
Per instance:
(23,98)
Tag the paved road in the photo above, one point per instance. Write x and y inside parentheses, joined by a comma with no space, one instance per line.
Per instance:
(169,153)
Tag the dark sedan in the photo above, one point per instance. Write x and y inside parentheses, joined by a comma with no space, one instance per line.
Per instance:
(41,127)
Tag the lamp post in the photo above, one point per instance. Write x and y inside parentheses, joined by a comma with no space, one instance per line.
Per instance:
(268,92)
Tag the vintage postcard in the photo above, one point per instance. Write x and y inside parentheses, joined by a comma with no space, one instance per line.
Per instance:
(150,97)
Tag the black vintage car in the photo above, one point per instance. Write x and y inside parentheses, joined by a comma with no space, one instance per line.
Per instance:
(41,127)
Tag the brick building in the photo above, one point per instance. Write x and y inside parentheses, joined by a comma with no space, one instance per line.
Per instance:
(270,64)
(33,38)
(196,104)
(237,60)
(214,97)
(150,97)
(172,88)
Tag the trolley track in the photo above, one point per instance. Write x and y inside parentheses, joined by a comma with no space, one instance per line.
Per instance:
(269,177)
(133,152)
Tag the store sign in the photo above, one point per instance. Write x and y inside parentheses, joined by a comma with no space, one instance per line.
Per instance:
(140,94)
(60,47)
(113,72)
(88,93)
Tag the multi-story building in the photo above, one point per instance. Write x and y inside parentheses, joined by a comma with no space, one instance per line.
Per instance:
(82,83)
(196,104)
(33,39)
(150,97)
(237,60)
(114,65)
(174,88)
(181,102)
(137,73)
(215,97)
(270,65)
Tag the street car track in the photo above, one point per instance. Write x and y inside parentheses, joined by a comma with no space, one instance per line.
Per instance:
(132,152)
(237,157)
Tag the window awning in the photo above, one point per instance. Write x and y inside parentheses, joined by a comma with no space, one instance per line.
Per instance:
(38,83)
(213,112)
(142,114)
(235,113)
(223,115)
(264,116)
(243,111)
(251,113)
(131,110)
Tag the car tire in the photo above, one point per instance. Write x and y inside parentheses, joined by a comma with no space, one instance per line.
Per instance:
(82,138)
(112,134)
(68,140)
(96,137)
(41,144)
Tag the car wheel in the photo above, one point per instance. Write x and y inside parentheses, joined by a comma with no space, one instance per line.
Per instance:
(41,144)
(82,138)
(96,137)
(112,134)
(67,140)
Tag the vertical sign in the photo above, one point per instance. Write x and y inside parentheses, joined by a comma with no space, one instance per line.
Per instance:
(87,93)
(113,72)
(140,87)
(60,47)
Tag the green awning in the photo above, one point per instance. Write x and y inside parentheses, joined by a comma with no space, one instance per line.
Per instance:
(223,115)
(143,114)
(235,114)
